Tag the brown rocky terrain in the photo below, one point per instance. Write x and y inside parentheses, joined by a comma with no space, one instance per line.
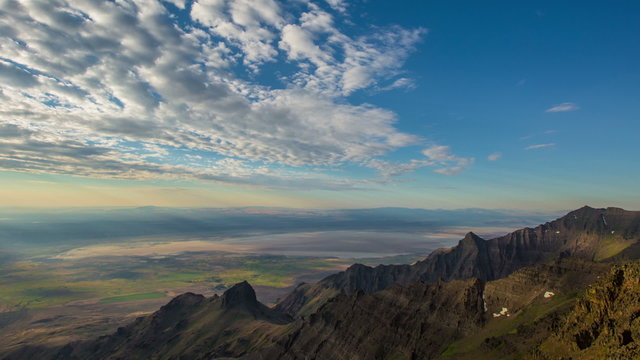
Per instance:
(412,322)
(604,323)
(586,233)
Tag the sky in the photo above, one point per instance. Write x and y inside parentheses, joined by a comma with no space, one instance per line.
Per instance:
(320,104)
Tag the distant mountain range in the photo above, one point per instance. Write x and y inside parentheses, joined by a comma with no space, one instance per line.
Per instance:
(564,289)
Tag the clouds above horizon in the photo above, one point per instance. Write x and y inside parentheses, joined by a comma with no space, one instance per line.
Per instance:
(567,106)
(539,146)
(139,89)
(451,164)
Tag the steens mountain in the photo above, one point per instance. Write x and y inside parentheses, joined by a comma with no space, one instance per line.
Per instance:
(586,233)
(564,289)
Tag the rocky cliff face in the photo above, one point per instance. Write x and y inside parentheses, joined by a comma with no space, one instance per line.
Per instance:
(586,233)
(524,308)
(412,322)
(604,323)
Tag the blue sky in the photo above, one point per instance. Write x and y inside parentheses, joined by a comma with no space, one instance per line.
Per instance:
(331,104)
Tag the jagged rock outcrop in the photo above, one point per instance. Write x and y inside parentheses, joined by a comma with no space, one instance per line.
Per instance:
(412,322)
(560,277)
(524,308)
(420,320)
(470,258)
(604,323)
(240,295)
(586,233)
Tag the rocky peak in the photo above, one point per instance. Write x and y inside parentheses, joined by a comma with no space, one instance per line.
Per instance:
(357,269)
(240,294)
(584,211)
(586,233)
(184,301)
(472,239)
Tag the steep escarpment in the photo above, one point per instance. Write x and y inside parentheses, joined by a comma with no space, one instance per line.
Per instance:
(307,298)
(402,322)
(604,323)
(470,258)
(523,308)
(586,233)
(459,319)
(559,278)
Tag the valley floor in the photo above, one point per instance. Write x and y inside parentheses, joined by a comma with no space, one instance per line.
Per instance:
(54,301)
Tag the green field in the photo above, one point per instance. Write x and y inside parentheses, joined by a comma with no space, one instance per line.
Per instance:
(39,283)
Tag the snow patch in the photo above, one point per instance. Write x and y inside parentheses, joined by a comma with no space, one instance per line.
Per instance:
(503,312)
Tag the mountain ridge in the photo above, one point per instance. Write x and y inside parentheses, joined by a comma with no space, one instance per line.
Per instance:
(478,298)
(577,234)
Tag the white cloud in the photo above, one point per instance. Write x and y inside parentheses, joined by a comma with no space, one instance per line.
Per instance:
(387,169)
(85,78)
(336,64)
(567,106)
(450,171)
(401,83)
(249,25)
(495,156)
(299,45)
(442,155)
(339,5)
(539,146)
(15,76)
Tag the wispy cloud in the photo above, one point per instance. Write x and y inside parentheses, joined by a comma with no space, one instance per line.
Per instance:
(442,155)
(539,146)
(401,83)
(340,5)
(495,156)
(450,171)
(567,106)
(388,169)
